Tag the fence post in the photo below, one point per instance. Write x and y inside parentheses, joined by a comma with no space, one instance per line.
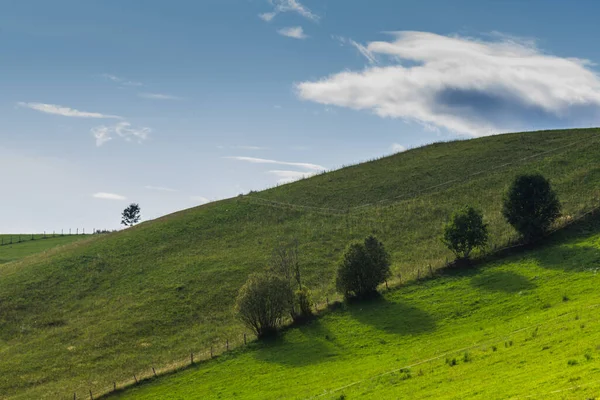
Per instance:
(386,285)
(114,386)
(191,357)
(327,300)
(91,397)
(154,372)
(135,378)
(244,339)
(430,270)
(227,345)
(74,396)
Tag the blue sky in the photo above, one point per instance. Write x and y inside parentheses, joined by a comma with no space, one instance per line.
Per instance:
(172,104)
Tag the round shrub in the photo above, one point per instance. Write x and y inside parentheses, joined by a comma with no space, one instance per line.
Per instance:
(363,267)
(263,302)
(465,232)
(531,206)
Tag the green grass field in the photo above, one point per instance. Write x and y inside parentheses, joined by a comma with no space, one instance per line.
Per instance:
(99,310)
(16,247)
(524,325)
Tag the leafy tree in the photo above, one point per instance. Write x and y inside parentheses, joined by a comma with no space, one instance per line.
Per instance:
(531,206)
(363,267)
(131,215)
(263,302)
(465,231)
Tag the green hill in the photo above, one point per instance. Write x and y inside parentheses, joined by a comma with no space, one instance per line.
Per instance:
(98,311)
(524,326)
(15,247)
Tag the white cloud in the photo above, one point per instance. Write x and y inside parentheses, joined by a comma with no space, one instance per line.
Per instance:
(267,16)
(466,85)
(104,133)
(108,196)
(122,81)
(295,32)
(158,96)
(283,6)
(160,188)
(398,148)
(65,111)
(364,51)
(308,166)
(199,199)
(290,176)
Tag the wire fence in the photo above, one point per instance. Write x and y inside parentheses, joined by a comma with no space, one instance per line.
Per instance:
(321,223)
(196,357)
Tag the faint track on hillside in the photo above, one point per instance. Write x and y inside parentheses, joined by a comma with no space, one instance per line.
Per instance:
(392,200)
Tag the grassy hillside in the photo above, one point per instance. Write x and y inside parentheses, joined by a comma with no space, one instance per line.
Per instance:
(16,247)
(100,310)
(522,326)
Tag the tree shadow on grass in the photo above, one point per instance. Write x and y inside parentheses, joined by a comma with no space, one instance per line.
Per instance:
(313,344)
(569,257)
(502,281)
(393,317)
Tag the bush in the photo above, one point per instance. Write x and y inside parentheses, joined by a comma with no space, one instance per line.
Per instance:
(263,302)
(465,231)
(364,267)
(531,206)
(302,304)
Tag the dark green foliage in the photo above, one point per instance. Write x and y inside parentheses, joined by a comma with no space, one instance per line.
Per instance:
(364,267)
(465,232)
(131,215)
(302,304)
(531,206)
(263,302)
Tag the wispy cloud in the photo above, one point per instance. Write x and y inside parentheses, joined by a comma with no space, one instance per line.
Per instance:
(160,188)
(363,50)
(159,96)
(470,86)
(124,130)
(398,148)
(295,32)
(283,6)
(108,196)
(308,166)
(65,111)
(290,176)
(121,81)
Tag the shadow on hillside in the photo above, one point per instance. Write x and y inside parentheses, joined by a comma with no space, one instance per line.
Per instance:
(393,317)
(569,257)
(313,345)
(502,281)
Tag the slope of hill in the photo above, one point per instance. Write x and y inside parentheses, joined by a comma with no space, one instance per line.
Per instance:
(15,247)
(98,311)
(524,326)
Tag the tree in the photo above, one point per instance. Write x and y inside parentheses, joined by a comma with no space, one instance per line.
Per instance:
(531,206)
(285,263)
(263,302)
(363,267)
(465,231)
(131,215)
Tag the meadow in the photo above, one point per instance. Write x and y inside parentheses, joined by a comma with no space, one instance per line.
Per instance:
(522,325)
(86,315)
(17,246)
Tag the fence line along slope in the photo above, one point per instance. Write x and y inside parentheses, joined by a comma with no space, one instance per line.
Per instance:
(97,311)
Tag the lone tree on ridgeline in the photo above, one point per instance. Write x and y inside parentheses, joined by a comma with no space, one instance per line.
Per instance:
(531,206)
(364,267)
(263,302)
(131,215)
(465,232)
